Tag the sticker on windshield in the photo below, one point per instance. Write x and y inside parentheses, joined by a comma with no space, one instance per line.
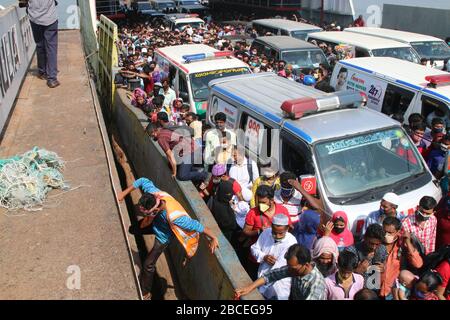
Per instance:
(347,144)
(214,72)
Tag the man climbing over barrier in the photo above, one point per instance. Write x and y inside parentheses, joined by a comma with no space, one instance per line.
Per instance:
(166,217)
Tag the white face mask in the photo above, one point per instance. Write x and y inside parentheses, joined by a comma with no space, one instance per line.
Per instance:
(389,238)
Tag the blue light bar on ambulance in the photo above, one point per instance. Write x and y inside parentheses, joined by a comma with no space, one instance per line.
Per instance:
(297,108)
(205,56)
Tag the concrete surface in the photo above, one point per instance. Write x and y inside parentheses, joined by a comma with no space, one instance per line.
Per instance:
(81,227)
(206,276)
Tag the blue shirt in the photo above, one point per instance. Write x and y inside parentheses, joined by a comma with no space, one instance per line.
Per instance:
(160,225)
(146,185)
(377,217)
(436,160)
(164,233)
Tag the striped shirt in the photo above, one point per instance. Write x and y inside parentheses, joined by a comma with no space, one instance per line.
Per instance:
(309,287)
(293,205)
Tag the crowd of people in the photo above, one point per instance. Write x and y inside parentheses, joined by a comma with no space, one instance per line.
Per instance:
(283,236)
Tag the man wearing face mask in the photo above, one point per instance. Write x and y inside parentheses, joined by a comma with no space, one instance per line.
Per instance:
(289,197)
(437,156)
(269,251)
(437,127)
(423,223)
(167,219)
(260,218)
(213,137)
(388,208)
(307,283)
(401,254)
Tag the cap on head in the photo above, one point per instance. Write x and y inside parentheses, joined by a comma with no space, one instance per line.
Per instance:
(268,172)
(219,170)
(280,220)
(391,198)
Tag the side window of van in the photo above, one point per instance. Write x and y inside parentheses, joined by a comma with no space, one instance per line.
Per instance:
(360,52)
(183,87)
(258,136)
(284,33)
(258,46)
(429,106)
(295,155)
(172,74)
(396,100)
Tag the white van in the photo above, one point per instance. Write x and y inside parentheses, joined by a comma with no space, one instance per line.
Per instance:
(367,46)
(282,27)
(426,46)
(191,67)
(344,151)
(393,86)
(181,21)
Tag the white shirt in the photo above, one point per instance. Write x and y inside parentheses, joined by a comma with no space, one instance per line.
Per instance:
(240,208)
(293,205)
(265,245)
(212,141)
(169,96)
(240,173)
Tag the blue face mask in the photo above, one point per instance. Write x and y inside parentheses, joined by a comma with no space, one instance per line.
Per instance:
(286,192)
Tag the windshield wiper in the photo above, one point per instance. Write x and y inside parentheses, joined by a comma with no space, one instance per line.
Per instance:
(392,188)
(361,195)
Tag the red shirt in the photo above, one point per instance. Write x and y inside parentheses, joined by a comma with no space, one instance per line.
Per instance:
(256,219)
(443,226)
(236,186)
(168,139)
(444,271)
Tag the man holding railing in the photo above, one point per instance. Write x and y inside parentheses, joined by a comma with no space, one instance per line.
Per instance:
(44,24)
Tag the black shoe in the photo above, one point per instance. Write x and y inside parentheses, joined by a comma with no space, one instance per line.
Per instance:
(53,84)
(42,76)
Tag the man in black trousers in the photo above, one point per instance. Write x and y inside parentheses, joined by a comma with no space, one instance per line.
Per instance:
(44,24)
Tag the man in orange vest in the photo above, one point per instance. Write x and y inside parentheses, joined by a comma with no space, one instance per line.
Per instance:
(167,218)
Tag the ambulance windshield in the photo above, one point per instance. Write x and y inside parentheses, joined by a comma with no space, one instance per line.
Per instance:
(200,80)
(360,163)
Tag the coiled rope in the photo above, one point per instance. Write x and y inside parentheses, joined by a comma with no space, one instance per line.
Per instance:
(26,179)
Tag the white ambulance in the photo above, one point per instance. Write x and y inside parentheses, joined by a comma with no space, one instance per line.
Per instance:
(393,86)
(366,46)
(428,47)
(191,67)
(345,153)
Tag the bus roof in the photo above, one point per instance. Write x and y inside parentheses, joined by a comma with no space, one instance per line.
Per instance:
(176,53)
(401,71)
(287,24)
(356,39)
(397,35)
(264,93)
(286,42)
